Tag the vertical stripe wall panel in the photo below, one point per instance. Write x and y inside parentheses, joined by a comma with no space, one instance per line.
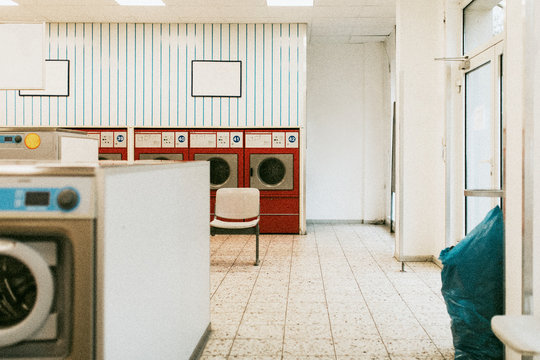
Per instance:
(140,75)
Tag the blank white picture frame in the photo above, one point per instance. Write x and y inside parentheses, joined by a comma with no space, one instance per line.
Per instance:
(22,64)
(56,80)
(213,78)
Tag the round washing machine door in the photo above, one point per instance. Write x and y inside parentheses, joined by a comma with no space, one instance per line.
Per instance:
(271,171)
(26,291)
(220,171)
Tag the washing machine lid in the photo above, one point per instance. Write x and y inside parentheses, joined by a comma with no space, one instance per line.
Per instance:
(272,171)
(27,288)
(164,156)
(223,169)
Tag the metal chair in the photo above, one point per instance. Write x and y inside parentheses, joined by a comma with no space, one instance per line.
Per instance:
(237,212)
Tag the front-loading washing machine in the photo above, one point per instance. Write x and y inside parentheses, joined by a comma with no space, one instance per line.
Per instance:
(87,274)
(224,150)
(271,159)
(47,247)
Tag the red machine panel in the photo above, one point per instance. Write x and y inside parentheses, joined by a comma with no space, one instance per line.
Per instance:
(224,149)
(113,142)
(272,160)
(161,144)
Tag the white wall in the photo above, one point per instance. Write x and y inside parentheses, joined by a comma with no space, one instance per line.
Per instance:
(140,75)
(420,224)
(348,132)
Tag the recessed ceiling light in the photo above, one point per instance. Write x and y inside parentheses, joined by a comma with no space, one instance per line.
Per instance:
(8,3)
(141,2)
(289,2)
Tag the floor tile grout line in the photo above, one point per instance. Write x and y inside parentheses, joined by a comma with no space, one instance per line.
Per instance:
(230,267)
(360,289)
(249,297)
(220,245)
(324,291)
(287,303)
(405,302)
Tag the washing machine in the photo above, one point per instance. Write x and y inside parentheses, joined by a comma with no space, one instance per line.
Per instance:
(47,265)
(161,144)
(24,143)
(85,277)
(272,166)
(113,142)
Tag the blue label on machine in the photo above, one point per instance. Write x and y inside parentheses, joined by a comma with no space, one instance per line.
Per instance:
(236,138)
(292,138)
(34,199)
(181,138)
(120,138)
(10,139)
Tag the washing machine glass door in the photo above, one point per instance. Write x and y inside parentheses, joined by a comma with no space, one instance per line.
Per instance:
(26,291)
(107,156)
(223,169)
(272,171)
(166,156)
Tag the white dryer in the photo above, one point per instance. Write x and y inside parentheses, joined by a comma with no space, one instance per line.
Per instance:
(94,258)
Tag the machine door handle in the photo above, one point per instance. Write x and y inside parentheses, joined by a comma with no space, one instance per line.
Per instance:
(250,171)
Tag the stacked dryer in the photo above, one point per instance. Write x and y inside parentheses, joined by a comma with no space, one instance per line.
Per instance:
(272,165)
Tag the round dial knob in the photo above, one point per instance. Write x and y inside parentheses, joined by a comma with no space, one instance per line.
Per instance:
(18,138)
(67,199)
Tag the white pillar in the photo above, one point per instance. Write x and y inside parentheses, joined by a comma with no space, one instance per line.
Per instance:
(420,181)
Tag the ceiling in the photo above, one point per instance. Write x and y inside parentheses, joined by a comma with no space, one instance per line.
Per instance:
(337,21)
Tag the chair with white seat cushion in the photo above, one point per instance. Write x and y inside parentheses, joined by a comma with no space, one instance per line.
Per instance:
(237,211)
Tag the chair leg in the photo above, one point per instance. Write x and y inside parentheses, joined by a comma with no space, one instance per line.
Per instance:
(257,245)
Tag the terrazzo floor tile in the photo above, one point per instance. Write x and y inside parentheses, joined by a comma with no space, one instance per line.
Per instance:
(217,347)
(303,346)
(335,293)
(256,347)
(421,349)
(361,346)
(260,331)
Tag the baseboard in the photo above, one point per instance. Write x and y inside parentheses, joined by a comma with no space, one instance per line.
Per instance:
(340,221)
(437,262)
(201,344)
(416,258)
(421,258)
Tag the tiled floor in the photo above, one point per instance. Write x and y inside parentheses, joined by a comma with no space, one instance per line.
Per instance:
(335,293)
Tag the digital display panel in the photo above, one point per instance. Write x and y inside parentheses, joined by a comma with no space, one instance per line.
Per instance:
(37,198)
(8,139)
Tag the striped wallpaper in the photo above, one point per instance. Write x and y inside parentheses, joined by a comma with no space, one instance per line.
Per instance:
(140,75)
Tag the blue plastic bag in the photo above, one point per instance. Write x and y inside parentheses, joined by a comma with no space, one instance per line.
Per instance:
(473,288)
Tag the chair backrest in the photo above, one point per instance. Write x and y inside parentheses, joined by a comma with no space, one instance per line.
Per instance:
(237,203)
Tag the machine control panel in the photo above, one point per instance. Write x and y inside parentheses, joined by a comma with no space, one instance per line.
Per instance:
(20,141)
(39,199)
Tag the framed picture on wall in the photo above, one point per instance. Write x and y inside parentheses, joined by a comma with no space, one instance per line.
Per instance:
(214,78)
(56,80)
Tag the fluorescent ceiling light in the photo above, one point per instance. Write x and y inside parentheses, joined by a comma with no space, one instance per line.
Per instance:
(8,3)
(141,2)
(289,2)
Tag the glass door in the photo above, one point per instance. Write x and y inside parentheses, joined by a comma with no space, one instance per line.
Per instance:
(483,135)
